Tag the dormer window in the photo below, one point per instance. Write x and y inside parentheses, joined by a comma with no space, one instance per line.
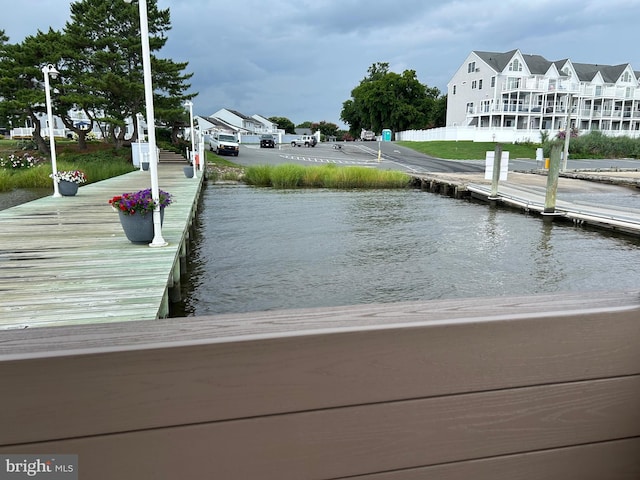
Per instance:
(471,67)
(515,66)
(626,77)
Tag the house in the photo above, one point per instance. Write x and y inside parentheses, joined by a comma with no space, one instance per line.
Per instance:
(239,120)
(522,92)
(268,125)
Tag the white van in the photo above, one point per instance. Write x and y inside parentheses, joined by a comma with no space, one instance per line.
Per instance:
(224,144)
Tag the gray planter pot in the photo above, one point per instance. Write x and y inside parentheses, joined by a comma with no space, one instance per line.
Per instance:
(139,228)
(67,189)
(188,172)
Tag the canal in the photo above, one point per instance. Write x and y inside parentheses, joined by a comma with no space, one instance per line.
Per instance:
(260,249)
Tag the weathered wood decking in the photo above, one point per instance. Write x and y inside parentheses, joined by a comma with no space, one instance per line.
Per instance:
(527,193)
(66,260)
(523,388)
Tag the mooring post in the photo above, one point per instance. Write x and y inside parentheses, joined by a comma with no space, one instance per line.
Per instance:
(552,181)
(497,158)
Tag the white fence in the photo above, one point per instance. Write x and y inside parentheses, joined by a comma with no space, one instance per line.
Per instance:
(502,135)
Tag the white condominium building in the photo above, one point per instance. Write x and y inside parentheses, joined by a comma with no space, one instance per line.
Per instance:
(528,92)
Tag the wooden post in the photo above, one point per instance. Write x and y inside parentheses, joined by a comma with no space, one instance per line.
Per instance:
(552,180)
(497,158)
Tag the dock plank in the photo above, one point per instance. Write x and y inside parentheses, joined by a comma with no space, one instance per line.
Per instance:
(65,261)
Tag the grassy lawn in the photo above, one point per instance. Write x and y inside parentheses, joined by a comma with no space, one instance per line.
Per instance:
(99,162)
(452,150)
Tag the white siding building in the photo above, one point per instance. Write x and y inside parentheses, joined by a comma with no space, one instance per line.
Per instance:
(527,93)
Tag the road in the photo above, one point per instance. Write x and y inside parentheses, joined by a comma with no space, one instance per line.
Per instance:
(394,157)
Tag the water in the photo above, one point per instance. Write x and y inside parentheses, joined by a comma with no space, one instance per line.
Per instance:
(261,249)
(22,195)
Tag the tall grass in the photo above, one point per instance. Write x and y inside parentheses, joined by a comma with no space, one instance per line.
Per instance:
(327,176)
(96,166)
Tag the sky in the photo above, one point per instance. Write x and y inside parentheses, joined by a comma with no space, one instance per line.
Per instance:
(301,59)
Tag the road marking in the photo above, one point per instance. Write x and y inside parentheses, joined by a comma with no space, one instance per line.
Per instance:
(325,160)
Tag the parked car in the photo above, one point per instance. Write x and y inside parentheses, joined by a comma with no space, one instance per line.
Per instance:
(306,140)
(267,141)
(224,143)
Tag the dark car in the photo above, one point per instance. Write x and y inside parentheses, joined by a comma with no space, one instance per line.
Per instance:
(267,141)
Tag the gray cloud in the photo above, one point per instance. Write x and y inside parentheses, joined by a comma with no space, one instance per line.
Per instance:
(301,59)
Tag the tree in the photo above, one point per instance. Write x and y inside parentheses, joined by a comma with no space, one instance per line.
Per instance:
(103,67)
(385,99)
(326,128)
(21,79)
(99,57)
(284,123)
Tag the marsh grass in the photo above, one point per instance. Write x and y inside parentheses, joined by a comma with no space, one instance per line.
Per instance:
(327,176)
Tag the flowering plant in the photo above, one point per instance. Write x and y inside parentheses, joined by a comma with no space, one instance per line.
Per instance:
(139,202)
(73,176)
(16,162)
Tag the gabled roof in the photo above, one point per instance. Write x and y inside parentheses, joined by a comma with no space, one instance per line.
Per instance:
(221,124)
(497,61)
(241,115)
(538,65)
(588,71)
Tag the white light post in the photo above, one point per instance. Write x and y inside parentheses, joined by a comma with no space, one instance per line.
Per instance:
(50,70)
(189,104)
(157,241)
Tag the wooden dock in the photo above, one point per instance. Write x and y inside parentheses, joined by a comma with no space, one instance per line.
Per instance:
(65,261)
(526,191)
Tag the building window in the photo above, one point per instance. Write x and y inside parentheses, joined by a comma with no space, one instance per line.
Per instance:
(515,66)
(474,85)
(513,83)
(493,82)
(470,107)
(479,84)
(471,67)
(626,77)
(454,89)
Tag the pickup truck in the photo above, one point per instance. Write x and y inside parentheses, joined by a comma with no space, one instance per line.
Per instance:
(306,140)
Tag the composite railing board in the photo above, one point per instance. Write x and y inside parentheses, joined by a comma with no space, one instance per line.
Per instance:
(383,391)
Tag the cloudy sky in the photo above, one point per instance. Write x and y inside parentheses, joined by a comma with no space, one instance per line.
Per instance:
(301,59)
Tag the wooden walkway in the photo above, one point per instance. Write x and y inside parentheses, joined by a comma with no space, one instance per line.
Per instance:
(527,192)
(66,261)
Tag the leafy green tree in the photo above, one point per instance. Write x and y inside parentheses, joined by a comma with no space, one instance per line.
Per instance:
(387,99)
(326,128)
(21,79)
(284,123)
(103,67)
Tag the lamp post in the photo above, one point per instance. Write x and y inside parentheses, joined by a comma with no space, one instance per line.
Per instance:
(50,70)
(189,104)
(157,241)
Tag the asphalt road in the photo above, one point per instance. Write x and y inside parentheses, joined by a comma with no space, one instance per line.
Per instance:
(393,157)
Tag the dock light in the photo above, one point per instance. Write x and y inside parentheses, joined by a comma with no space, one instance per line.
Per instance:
(157,241)
(50,71)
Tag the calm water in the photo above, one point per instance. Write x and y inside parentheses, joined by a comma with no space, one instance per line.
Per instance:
(261,249)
